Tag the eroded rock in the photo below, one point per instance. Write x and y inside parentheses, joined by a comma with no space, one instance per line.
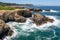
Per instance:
(24,13)
(4,29)
(19,18)
(39,19)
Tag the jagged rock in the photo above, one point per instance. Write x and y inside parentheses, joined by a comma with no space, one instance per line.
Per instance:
(38,16)
(6,15)
(39,19)
(25,13)
(4,29)
(31,9)
(37,10)
(10,33)
(19,18)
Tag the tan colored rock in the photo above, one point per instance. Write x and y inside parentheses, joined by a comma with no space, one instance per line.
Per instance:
(4,29)
(19,18)
(39,19)
(38,16)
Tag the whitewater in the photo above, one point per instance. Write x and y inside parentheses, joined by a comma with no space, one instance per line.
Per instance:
(25,28)
(30,31)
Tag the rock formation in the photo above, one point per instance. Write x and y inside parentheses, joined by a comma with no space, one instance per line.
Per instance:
(4,29)
(37,10)
(15,15)
(18,16)
(39,19)
(24,13)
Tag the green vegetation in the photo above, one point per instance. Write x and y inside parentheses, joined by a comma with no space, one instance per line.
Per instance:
(6,8)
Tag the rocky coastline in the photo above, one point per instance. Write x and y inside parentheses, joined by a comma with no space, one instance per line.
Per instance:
(19,15)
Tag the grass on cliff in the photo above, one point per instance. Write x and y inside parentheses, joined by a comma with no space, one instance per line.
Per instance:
(7,8)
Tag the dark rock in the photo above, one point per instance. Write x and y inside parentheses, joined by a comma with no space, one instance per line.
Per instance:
(10,33)
(4,29)
(37,10)
(24,13)
(47,10)
(31,9)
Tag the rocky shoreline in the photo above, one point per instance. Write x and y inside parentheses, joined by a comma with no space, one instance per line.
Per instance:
(19,15)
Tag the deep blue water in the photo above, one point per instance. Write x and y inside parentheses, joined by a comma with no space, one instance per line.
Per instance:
(52,32)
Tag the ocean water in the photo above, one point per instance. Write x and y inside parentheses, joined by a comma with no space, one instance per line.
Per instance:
(29,31)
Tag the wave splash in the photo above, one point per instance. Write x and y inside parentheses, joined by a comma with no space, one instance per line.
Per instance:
(25,29)
(51,10)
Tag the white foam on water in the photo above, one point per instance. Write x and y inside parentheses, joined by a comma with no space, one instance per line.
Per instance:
(29,26)
(51,10)
(11,25)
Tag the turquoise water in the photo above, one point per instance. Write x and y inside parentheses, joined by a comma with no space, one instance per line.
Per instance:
(29,31)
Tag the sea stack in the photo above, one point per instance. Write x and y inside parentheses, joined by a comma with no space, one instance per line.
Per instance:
(39,19)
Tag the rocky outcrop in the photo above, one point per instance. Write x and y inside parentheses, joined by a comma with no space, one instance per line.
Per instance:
(15,15)
(39,19)
(4,29)
(38,10)
(19,18)
(24,13)
(31,9)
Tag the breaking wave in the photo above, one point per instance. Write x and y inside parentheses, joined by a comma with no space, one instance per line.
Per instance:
(50,11)
(25,29)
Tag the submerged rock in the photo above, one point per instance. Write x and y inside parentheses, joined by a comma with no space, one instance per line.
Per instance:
(39,19)
(47,10)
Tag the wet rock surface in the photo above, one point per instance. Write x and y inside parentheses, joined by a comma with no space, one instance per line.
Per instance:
(15,15)
(11,15)
(19,16)
(4,29)
(39,19)
(24,13)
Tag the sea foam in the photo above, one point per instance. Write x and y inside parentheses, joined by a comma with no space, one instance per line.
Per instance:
(29,26)
(51,10)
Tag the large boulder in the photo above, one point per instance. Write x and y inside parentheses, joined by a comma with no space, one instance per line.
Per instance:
(39,19)
(19,18)
(12,15)
(25,13)
(38,10)
(7,15)
(4,29)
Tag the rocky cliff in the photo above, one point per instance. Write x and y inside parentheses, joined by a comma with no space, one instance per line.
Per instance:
(18,16)
(11,15)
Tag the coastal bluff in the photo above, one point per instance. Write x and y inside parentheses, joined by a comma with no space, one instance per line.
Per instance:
(18,15)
